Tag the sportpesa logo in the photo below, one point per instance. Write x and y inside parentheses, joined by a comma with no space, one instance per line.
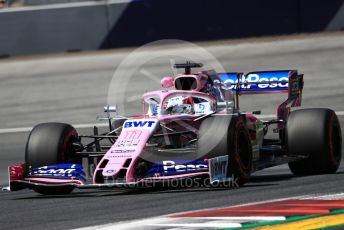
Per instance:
(167,168)
(277,80)
(186,167)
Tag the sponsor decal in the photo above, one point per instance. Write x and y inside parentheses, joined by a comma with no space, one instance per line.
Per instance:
(201,107)
(156,109)
(138,124)
(122,151)
(294,87)
(54,171)
(17,172)
(278,79)
(119,156)
(109,171)
(165,168)
(218,169)
(127,143)
(131,134)
(59,171)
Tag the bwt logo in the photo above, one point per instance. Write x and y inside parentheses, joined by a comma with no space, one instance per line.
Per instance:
(138,124)
(219,168)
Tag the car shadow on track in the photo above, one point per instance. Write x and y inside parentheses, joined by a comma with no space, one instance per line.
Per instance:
(255,181)
(271,178)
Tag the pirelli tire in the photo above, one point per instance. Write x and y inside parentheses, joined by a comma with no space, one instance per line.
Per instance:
(51,143)
(315,134)
(228,135)
(48,144)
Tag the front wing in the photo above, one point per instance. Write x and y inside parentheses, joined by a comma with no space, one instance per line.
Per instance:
(19,178)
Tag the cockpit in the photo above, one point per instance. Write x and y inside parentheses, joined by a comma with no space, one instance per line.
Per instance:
(179,103)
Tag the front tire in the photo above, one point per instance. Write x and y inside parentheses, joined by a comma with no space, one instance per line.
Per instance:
(49,144)
(226,135)
(315,134)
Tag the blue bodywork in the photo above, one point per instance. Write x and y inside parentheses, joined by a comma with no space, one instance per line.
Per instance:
(255,81)
(59,171)
(176,167)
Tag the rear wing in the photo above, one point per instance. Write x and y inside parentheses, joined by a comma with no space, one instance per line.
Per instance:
(280,81)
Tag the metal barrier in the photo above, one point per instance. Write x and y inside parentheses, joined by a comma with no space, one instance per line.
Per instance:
(113,23)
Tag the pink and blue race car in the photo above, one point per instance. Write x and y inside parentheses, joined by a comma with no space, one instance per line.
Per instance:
(192,128)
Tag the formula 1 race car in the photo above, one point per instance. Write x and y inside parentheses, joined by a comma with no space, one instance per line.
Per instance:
(192,128)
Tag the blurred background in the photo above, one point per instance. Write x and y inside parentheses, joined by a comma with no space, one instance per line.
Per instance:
(58,57)
(46,26)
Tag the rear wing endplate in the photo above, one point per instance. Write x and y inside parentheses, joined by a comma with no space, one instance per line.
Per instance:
(280,81)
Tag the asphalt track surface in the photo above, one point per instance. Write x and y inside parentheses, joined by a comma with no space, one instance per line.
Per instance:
(73,89)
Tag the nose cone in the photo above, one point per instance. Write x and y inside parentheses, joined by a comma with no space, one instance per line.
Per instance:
(118,160)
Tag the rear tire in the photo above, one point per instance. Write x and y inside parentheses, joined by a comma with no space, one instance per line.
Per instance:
(316,134)
(49,144)
(225,135)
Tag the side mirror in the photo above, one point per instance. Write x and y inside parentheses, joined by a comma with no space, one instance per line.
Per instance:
(167,82)
(110,109)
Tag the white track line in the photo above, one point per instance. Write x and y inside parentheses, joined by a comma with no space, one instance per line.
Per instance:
(201,225)
(150,223)
(63,5)
(241,218)
(170,222)
(324,197)
(82,126)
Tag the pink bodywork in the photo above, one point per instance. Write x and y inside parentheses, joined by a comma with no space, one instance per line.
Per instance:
(127,149)
(132,140)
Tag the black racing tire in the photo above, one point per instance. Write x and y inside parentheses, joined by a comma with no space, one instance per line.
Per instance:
(51,143)
(48,144)
(225,135)
(315,134)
